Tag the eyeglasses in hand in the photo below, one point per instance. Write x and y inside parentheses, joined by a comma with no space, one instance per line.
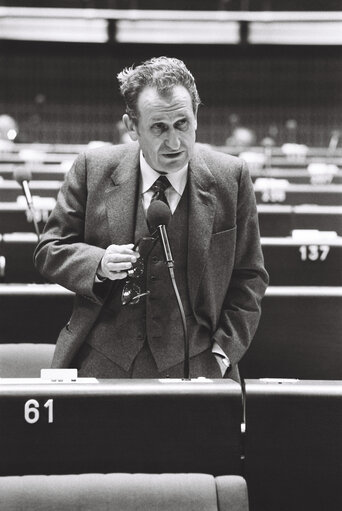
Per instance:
(131,292)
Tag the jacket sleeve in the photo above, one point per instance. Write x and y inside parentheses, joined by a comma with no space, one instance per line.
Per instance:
(241,308)
(62,256)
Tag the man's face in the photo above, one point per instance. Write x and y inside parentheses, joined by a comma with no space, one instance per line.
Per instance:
(166,129)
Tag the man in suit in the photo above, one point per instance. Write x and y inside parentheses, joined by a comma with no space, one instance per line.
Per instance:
(88,243)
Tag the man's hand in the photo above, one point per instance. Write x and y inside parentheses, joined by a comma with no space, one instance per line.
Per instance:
(116,261)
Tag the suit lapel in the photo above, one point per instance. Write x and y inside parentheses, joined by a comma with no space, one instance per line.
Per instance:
(121,197)
(202,208)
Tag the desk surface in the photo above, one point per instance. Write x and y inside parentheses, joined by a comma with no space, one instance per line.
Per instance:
(119,387)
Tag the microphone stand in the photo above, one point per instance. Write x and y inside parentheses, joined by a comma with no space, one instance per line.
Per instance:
(170,265)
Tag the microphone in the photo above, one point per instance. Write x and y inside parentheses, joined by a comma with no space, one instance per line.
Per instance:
(23,176)
(158,213)
(158,217)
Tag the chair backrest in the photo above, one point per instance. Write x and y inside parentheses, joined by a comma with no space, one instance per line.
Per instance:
(124,492)
(24,360)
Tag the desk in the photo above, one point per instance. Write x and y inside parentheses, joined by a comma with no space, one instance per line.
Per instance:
(120,426)
(39,171)
(295,176)
(309,261)
(10,190)
(296,194)
(16,251)
(299,335)
(281,220)
(294,445)
(33,312)
(14,216)
(292,262)
(274,219)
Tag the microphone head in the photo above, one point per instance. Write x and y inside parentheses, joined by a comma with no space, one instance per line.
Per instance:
(21,175)
(158,213)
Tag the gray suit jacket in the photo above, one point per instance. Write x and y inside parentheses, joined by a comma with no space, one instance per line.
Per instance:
(96,207)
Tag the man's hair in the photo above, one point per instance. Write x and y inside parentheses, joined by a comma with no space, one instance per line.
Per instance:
(162,73)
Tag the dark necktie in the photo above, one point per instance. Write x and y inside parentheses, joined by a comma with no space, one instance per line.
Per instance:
(159,187)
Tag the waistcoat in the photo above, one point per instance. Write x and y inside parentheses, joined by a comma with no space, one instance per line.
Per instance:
(121,331)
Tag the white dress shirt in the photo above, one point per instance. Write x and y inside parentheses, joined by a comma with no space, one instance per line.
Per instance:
(173,194)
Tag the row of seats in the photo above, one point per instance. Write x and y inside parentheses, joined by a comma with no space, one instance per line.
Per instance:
(299,334)
(39,172)
(57,172)
(293,194)
(304,259)
(281,220)
(287,154)
(274,219)
(286,444)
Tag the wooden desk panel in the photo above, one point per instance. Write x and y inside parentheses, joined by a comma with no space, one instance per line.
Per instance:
(147,426)
(303,263)
(296,194)
(281,220)
(293,445)
(299,335)
(10,190)
(33,312)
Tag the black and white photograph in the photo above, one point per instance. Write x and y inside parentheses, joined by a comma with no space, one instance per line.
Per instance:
(170,255)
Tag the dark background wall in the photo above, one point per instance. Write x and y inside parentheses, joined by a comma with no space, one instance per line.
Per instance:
(68,92)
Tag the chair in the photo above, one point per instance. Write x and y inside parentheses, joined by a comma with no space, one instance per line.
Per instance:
(124,492)
(24,360)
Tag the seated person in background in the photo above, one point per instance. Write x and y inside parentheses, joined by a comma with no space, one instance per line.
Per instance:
(88,243)
(240,136)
